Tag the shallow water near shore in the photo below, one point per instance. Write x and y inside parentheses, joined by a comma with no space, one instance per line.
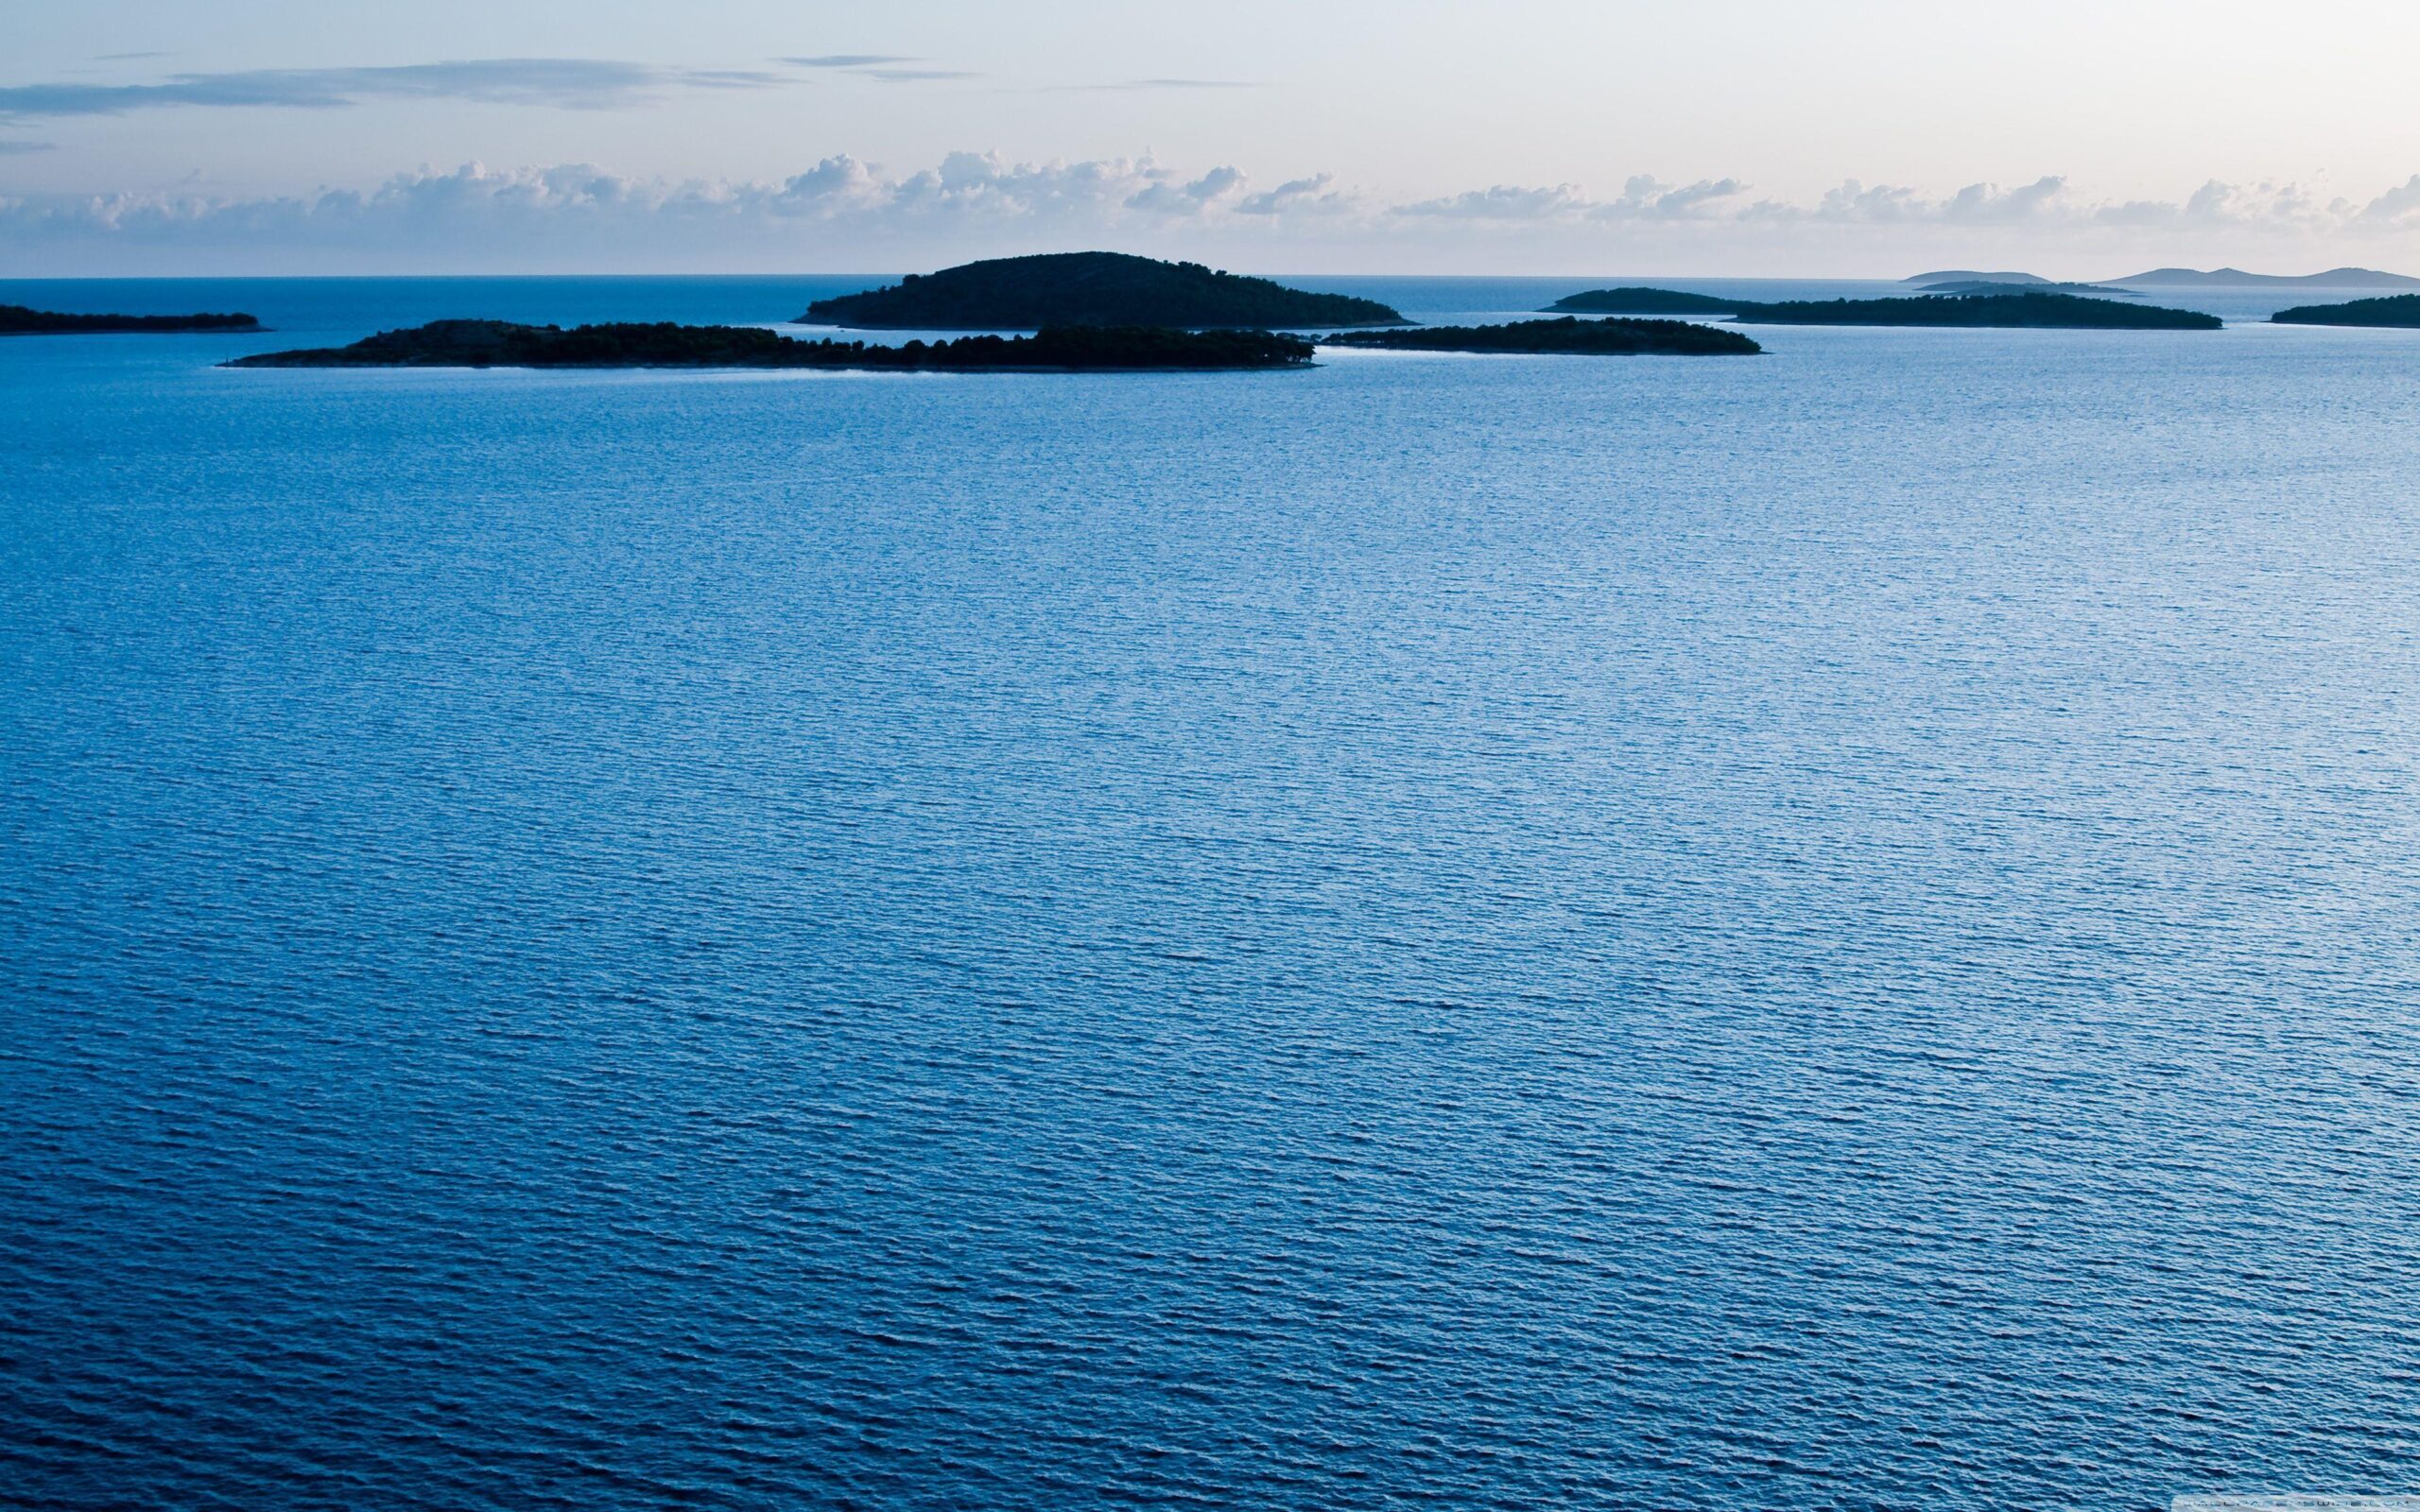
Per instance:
(1835,929)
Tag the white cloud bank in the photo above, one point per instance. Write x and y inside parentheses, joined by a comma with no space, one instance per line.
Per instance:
(846,215)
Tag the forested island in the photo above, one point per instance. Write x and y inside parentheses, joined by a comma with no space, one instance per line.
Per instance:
(2028,310)
(1091,288)
(2396,310)
(17,321)
(1640,302)
(1569,334)
(1060,349)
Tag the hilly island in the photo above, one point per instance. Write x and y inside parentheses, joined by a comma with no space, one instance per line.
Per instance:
(1091,288)
(1063,349)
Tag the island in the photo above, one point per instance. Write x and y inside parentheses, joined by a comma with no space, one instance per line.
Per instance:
(1091,288)
(17,321)
(2235,277)
(1570,335)
(2025,307)
(2396,311)
(2028,311)
(2031,285)
(1968,275)
(1640,302)
(1059,349)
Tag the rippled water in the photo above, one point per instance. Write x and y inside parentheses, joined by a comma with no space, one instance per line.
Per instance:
(1831,930)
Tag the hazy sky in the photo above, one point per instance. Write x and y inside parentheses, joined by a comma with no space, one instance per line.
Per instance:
(1535,135)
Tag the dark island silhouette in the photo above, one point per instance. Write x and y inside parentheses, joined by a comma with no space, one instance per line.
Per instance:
(2027,308)
(2397,311)
(17,321)
(2030,310)
(1091,288)
(1059,349)
(1615,338)
(1640,302)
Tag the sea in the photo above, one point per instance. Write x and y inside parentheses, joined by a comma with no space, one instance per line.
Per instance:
(1831,930)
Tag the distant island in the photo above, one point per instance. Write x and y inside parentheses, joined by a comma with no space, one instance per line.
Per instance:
(2400,310)
(2018,307)
(17,321)
(1091,288)
(2027,311)
(1968,275)
(1063,349)
(1640,302)
(2335,278)
(1569,334)
(1992,285)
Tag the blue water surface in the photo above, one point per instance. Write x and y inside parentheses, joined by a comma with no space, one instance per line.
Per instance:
(1832,930)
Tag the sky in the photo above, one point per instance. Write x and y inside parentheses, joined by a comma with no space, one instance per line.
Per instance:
(1823,138)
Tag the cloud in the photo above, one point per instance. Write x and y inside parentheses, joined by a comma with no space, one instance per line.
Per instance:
(2400,206)
(1642,199)
(1156,83)
(1502,202)
(543,216)
(1296,196)
(879,67)
(1985,203)
(574,84)
(842,212)
(1188,199)
(1646,196)
(1854,203)
(12,149)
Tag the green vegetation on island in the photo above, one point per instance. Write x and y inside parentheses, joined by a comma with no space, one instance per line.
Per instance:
(1091,288)
(1569,334)
(1640,302)
(2400,310)
(17,321)
(1063,349)
(2027,311)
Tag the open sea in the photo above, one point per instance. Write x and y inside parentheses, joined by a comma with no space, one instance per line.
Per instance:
(1835,930)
